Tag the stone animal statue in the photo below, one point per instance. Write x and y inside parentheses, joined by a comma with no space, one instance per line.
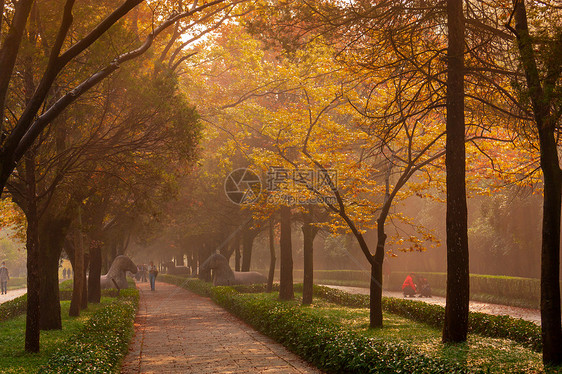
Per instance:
(224,276)
(172,269)
(120,266)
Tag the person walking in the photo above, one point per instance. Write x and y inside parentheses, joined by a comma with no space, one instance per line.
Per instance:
(152,273)
(4,278)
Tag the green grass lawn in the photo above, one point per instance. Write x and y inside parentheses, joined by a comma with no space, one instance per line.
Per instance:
(13,359)
(479,353)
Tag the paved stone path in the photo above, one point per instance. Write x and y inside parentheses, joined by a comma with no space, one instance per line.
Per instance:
(533,315)
(12,294)
(177,331)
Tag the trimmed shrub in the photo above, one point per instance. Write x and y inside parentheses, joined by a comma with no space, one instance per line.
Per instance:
(516,329)
(13,308)
(515,291)
(102,343)
(193,284)
(66,285)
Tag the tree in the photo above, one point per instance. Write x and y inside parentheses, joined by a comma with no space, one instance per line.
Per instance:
(26,125)
(455,327)
(30,123)
(311,88)
(544,95)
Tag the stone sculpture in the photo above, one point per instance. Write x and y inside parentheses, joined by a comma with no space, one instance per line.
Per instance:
(117,273)
(224,276)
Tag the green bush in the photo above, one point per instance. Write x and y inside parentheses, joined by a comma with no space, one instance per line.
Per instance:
(516,329)
(193,284)
(256,288)
(13,308)
(66,285)
(66,294)
(515,291)
(102,343)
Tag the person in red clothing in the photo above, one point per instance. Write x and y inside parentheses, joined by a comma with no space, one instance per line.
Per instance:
(408,287)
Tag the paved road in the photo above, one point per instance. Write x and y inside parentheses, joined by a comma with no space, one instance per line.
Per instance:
(177,331)
(12,294)
(532,315)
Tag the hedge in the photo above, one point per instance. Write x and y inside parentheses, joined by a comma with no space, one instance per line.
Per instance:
(516,329)
(13,308)
(515,291)
(66,294)
(101,344)
(193,284)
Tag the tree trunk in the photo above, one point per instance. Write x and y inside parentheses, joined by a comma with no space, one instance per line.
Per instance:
(455,327)
(52,233)
(191,262)
(50,297)
(84,298)
(309,233)
(272,258)
(204,254)
(179,258)
(286,291)
(237,256)
(375,289)
(78,269)
(248,237)
(94,287)
(234,243)
(32,330)
(551,322)
(550,253)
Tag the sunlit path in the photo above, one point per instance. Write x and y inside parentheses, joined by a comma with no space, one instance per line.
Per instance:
(177,331)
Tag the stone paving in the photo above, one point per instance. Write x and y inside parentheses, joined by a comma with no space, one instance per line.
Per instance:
(177,331)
